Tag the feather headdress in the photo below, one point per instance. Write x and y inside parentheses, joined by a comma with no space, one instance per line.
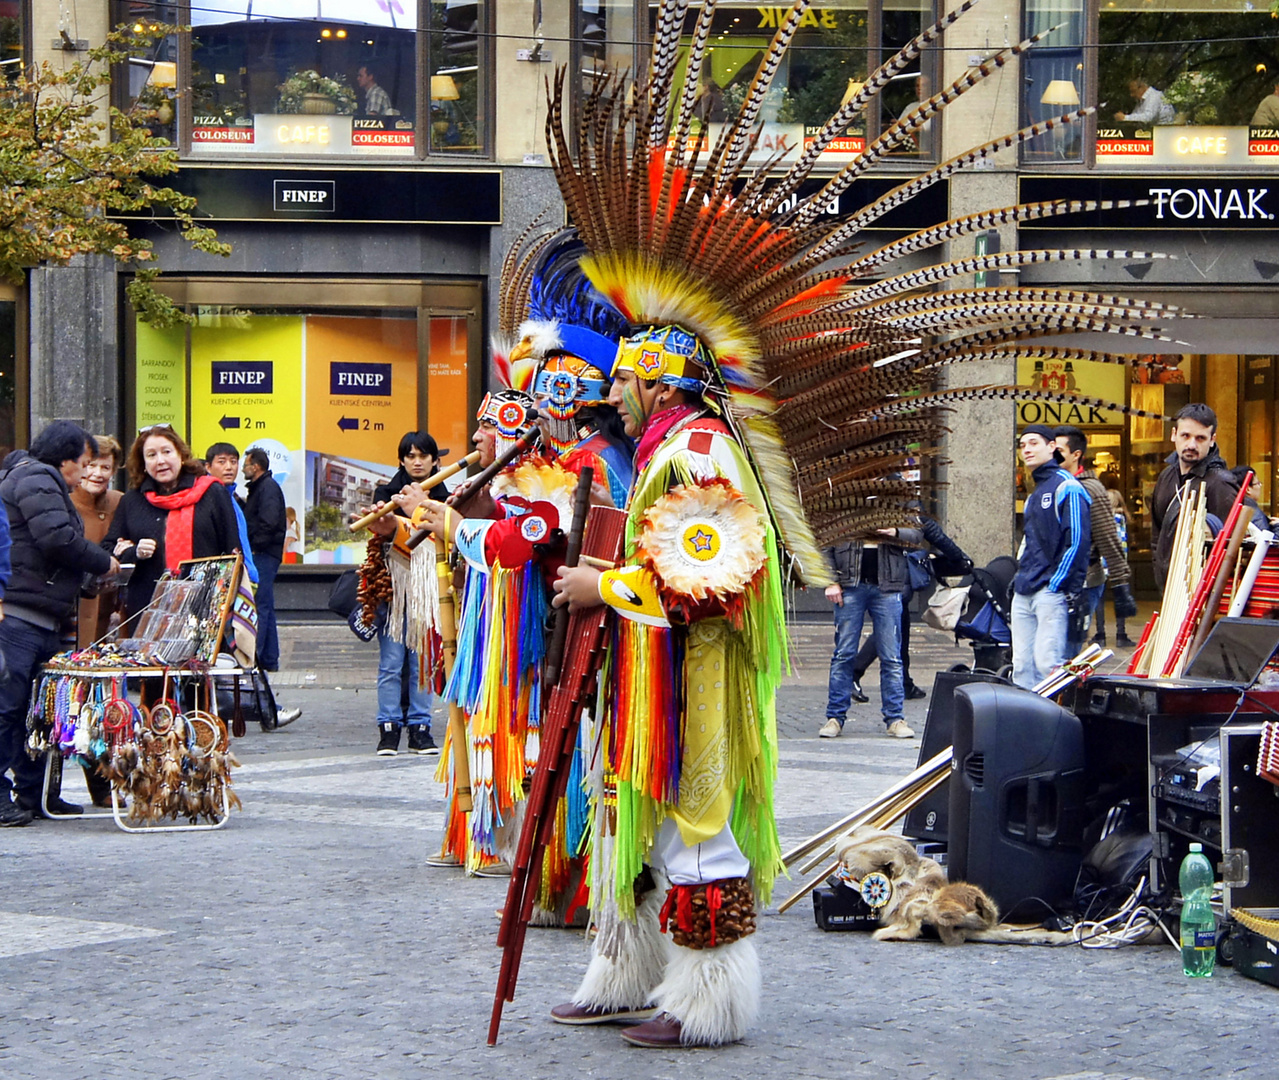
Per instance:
(818,357)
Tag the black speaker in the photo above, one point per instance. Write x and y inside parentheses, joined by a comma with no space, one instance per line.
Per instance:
(1016,797)
(927,821)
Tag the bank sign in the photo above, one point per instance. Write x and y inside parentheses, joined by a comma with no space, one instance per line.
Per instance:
(1185,202)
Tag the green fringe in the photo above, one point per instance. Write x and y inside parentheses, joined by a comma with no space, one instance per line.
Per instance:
(758,659)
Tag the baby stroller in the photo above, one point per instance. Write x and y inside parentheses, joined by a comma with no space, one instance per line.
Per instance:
(987,616)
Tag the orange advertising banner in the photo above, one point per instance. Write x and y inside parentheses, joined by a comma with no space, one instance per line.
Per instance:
(361,386)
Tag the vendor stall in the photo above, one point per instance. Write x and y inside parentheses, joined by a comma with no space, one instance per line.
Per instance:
(144,713)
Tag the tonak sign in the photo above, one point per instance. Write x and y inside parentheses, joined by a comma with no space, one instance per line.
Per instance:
(1198,202)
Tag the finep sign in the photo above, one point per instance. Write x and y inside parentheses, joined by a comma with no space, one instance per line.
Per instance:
(243,377)
(347,379)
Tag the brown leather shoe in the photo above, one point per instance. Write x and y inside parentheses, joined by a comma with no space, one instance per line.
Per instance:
(568,1013)
(660,1033)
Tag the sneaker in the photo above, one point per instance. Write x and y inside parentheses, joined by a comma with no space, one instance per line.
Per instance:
(284,717)
(420,741)
(915,693)
(899,729)
(831,729)
(1098,639)
(1125,642)
(857,694)
(389,743)
(13,814)
(57,806)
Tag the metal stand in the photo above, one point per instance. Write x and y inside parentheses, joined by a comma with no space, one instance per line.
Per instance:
(117,803)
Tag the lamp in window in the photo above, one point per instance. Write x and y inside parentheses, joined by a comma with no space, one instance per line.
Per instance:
(1061,93)
(162,81)
(443,88)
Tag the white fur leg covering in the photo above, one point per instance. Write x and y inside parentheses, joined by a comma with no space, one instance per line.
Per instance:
(627,981)
(714,993)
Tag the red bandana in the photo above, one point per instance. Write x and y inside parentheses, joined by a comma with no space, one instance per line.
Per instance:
(658,427)
(180,524)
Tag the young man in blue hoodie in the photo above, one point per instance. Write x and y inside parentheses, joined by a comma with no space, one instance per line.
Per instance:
(1053,560)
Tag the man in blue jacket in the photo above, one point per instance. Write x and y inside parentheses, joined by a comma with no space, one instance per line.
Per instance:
(1053,560)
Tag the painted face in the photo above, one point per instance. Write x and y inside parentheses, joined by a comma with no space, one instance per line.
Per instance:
(97,475)
(224,467)
(73,470)
(485,441)
(418,464)
(633,400)
(1193,441)
(1036,450)
(161,460)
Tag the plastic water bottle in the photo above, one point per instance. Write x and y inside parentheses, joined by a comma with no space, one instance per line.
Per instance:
(1198,927)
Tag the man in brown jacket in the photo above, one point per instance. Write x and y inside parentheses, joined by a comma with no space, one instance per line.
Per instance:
(1073,444)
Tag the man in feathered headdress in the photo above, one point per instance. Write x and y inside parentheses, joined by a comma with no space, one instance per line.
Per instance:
(691,741)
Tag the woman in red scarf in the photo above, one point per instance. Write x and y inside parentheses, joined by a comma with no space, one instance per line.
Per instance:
(173,511)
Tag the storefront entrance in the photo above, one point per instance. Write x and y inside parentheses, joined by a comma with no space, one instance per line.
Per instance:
(326,376)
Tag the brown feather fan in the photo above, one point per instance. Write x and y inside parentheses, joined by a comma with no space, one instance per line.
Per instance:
(826,359)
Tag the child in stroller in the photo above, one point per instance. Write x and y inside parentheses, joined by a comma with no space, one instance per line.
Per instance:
(987,616)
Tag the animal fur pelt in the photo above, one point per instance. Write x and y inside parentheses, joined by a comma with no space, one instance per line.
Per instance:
(923,897)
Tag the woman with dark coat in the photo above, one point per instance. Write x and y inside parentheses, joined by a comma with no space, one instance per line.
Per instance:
(174,511)
(50,560)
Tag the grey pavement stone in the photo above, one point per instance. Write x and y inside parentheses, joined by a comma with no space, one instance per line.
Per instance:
(309,939)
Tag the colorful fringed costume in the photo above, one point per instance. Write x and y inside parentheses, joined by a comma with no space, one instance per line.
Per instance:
(802,393)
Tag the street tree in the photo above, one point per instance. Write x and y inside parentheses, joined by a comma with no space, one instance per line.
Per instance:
(81,176)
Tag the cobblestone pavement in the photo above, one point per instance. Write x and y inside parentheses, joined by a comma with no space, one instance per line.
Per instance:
(309,939)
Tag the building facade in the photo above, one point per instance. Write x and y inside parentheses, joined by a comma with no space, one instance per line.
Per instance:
(370,163)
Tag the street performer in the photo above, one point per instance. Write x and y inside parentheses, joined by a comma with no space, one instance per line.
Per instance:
(701,648)
(571,338)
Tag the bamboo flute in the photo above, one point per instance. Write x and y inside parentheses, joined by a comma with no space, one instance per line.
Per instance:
(421,485)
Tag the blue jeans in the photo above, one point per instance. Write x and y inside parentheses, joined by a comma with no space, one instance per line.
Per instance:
(268,640)
(1039,636)
(25,648)
(391,657)
(1088,601)
(885,619)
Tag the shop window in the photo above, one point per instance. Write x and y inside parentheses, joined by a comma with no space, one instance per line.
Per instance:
(297,78)
(11,43)
(326,392)
(837,44)
(456,48)
(1053,73)
(150,78)
(604,40)
(1184,80)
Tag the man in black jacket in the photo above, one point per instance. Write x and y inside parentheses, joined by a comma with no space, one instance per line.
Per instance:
(1194,459)
(265,516)
(51,558)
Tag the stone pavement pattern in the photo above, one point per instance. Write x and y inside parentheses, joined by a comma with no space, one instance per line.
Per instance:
(309,939)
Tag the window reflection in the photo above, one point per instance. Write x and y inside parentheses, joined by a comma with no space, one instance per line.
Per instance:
(11,38)
(1054,78)
(301,77)
(827,64)
(454,49)
(152,78)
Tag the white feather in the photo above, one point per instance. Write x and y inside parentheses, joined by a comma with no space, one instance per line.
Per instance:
(542,336)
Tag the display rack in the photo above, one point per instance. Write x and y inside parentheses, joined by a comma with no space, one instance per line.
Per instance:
(170,758)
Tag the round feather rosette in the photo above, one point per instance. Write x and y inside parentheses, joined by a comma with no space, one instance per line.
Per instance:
(703,541)
(538,480)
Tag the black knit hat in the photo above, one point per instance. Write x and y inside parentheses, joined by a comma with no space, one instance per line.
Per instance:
(1044,430)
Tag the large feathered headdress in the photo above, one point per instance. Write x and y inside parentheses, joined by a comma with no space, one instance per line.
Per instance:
(817,354)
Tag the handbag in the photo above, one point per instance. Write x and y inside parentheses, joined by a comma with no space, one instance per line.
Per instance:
(918,571)
(344,595)
(945,607)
